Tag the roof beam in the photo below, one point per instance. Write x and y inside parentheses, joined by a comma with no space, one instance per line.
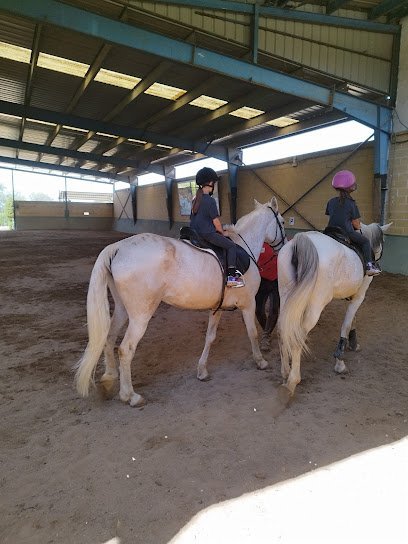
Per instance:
(35,50)
(334,5)
(137,90)
(62,152)
(385,8)
(10,108)
(149,42)
(287,14)
(275,133)
(70,169)
(179,103)
(88,78)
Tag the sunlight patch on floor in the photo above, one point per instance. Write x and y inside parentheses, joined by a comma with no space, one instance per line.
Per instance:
(362,499)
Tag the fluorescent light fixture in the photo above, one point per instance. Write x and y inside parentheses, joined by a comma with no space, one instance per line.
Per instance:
(164,146)
(165,91)
(59,64)
(10,116)
(246,113)
(117,79)
(136,141)
(41,122)
(14,52)
(208,102)
(282,122)
(107,135)
(75,128)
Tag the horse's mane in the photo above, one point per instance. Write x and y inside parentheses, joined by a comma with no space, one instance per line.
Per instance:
(233,230)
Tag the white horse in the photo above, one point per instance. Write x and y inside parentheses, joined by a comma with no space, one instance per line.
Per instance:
(143,270)
(313,269)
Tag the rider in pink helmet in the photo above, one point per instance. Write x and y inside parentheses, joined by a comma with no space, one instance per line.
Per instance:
(344,213)
(344,180)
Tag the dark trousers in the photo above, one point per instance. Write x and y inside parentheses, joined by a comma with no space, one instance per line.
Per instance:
(222,241)
(364,243)
(267,290)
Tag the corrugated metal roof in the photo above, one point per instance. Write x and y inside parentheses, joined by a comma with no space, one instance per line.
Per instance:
(356,62)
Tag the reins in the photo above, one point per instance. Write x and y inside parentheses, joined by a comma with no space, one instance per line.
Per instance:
(276,246)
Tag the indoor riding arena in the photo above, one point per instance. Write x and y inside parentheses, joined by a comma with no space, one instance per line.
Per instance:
(104,93)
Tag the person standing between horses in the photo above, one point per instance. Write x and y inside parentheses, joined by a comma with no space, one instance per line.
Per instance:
(344,213)
(206,222)
(268,290)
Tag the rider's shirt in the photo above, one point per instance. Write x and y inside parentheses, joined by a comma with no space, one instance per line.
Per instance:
(342,212)
(268,263)
(202,221)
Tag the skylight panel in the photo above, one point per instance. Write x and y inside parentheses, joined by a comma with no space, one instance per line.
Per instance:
(165,91)
(15,52)
(282,122)
(60,64)
(208,102)
(246,113)
(117,79)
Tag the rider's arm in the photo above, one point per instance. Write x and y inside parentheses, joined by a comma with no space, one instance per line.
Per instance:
(356,223)
(217,224)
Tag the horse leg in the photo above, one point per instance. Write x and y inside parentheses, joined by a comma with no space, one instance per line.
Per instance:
(213,321)
(110,376)
(353,344)
(135,331)
(249,319)
(310,320)
(346,331)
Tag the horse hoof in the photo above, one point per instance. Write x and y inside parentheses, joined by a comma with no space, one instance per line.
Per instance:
(262,364)
(340,367)
(107,387)
(137,401)
(205,378)
(284,395)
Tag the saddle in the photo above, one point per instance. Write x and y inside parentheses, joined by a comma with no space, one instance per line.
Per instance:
(243,259)
(340,235)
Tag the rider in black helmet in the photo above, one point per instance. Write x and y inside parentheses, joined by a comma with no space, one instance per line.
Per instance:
(206,221)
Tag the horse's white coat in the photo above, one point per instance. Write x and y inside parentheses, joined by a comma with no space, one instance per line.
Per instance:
(326,270)
(146,269)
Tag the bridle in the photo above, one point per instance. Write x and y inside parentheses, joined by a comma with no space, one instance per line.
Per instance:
(275,246)
(278,245)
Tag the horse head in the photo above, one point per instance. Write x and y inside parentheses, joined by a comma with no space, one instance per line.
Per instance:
(375,233)
(275,234)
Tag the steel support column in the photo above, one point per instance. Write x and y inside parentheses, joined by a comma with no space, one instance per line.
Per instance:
(381,152)
(169,177)
(234,162)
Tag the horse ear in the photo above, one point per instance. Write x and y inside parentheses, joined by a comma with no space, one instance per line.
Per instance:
(257,204)
(274,204)
(384,228)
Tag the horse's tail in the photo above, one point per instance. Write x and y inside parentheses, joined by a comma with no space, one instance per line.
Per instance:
(98,319)
(305,262)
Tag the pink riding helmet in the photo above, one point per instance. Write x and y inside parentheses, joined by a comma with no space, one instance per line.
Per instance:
(343,179)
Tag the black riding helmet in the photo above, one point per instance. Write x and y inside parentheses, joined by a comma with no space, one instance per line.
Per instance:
(206,176)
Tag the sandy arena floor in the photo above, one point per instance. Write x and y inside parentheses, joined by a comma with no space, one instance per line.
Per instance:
(88,471)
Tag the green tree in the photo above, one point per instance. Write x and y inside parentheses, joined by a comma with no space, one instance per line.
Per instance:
(9,212)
